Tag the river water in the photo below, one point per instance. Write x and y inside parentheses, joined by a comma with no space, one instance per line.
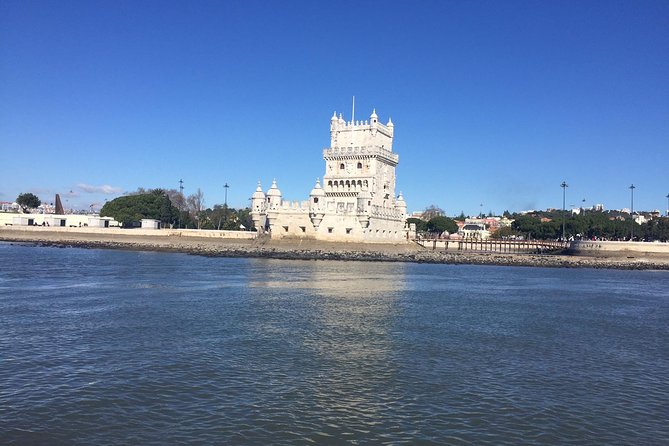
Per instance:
(120,347)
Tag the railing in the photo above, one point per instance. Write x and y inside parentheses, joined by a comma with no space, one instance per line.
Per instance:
(499,246)
(365,150)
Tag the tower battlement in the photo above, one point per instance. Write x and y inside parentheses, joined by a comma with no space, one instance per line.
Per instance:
(344,134)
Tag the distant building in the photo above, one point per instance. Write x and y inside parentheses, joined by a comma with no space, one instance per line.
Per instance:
(355,202)
(474,231)
(640,219)
(8,206)
(492,224)
(505,222)
(55,220)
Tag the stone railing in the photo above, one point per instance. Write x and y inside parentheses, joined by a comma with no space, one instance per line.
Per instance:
(385,212)
(361,151)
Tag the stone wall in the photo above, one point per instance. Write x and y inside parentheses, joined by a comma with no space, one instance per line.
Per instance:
(604,249)
(200,233)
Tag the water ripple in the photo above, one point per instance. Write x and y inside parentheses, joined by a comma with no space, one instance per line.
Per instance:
(106,347)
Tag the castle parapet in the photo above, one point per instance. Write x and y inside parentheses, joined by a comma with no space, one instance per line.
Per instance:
(300,206)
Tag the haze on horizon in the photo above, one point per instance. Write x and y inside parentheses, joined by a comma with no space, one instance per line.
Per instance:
(494,103)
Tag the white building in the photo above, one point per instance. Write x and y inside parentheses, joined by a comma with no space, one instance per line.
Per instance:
(474,231)
(150,223)
(356,201)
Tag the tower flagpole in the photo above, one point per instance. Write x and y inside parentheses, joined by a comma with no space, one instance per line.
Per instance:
(352,121)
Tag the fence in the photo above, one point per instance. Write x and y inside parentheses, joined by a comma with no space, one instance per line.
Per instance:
(500,246)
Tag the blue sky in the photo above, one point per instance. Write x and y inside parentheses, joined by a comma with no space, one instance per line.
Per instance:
(494,102)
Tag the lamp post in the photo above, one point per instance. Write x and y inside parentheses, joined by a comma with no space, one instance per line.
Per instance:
(181,191)
(632,187)
(564,187)
(667,205)
(225,204)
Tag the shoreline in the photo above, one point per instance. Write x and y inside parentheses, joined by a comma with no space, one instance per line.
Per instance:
(301,249)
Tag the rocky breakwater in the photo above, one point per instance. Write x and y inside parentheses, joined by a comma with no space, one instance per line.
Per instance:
(546,261)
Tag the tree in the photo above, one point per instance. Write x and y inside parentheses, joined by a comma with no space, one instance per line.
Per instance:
(28,201)
(421,225)
(244,218)
(431,212)
(195,204)
(504,233)
(441,224)
(130,209)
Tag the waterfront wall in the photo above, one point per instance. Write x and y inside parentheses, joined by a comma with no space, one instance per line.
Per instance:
(606,248)
(137,232)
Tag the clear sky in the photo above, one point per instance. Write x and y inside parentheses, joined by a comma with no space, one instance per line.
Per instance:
(494,102)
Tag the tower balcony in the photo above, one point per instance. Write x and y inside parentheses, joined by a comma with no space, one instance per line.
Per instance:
(338,153)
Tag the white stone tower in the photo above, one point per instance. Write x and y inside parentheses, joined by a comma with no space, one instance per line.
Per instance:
(360,158)
(356,200)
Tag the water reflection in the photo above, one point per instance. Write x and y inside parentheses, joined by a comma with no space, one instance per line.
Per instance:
(341,319)
(329,278)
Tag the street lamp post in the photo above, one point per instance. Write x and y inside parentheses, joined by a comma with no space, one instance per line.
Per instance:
(225,204)
(667,205)
(181,191)
(564,187)
(632,187)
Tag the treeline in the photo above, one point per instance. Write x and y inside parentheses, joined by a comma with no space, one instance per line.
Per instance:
(174,210)
(588,225)
(435,225)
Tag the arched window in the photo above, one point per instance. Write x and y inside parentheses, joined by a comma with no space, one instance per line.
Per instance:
(342,166)
(359,165)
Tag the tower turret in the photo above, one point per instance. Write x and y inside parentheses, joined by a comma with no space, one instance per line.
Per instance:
(258,200)
(258,207)
(273,196)
(401,205)
(373,119)
(316,196)
(364,201)
(334,121)
(317,204)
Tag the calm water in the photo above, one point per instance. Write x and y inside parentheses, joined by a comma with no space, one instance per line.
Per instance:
(114,347)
